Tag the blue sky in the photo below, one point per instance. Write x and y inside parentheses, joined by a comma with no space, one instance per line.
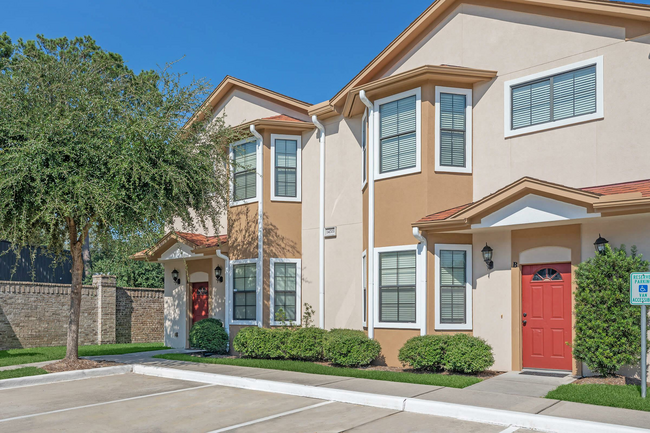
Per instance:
(281,45)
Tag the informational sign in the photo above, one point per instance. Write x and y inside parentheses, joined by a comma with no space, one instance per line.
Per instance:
(639,283)
(330,232)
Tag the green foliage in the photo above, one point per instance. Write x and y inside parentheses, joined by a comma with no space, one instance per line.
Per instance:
(467,354)
(21,372)
(424,352)
(264,343)
(308,316)
(607,330)
(624,396)
(306,344)
(350,348)
(209,335)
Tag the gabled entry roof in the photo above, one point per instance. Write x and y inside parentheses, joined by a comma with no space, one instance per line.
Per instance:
(198,242)
(603,200)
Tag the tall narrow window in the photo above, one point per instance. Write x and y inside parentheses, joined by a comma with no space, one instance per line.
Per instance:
(453,141)
(364,148)
(285,153)
(285,291)
(244,291)
(397,286)
(453,280)
(364,287)
(245,171)
(397,139)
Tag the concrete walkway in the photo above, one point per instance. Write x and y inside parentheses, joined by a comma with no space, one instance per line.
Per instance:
(510,391)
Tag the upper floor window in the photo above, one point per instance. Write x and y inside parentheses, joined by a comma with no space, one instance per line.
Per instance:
(285,175)
(559,97)
(398,125)
(364,148)
(453,140)
(244,177)
(453,286)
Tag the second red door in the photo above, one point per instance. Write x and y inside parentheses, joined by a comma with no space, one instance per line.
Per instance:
(199,302)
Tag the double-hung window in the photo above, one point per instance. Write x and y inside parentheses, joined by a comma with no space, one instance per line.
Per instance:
(453,285)
(245,300)
(560,97)
(397,286)
(244,172)
(285,291)
(286,171)
(364,287)
(398,134)
(453,137)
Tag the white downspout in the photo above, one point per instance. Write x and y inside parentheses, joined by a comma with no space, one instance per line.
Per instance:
(260,222)
(227,312)
(422,256)
(321,226)
(371,213)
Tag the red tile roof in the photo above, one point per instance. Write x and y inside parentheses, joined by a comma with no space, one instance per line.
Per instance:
(642,186)
(202,241)
(283,117)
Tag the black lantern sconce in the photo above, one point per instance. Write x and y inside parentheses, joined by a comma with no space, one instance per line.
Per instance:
(600,244)
(217,274)
(487,256)
(175,277)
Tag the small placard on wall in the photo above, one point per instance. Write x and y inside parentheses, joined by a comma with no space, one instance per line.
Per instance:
(330,232)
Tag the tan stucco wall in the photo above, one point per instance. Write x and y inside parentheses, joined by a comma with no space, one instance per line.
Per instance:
(241,107)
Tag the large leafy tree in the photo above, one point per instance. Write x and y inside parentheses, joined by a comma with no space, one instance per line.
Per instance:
(87,143)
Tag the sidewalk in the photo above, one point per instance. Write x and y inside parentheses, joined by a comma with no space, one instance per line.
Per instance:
(470,396)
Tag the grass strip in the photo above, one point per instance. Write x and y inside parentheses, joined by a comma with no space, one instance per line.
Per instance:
(449,380)
(38,354)
(21,372)
(623,396)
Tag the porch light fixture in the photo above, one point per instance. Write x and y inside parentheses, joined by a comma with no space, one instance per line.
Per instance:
(600,244)
(487,256)
(175,277)
(217,274)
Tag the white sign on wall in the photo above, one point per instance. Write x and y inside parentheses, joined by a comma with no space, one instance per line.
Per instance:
(330,232)
(639,284)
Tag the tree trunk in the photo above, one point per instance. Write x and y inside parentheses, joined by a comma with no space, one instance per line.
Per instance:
(85,252)
(72,345)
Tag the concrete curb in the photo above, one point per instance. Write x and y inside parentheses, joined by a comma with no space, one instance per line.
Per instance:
(65,376)
(413,405)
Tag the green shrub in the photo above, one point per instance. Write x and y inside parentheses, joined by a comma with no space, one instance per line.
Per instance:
(263,343)
(425,352)
(607,330)
(467,354)
(209,335)
(350,348)
(306,344)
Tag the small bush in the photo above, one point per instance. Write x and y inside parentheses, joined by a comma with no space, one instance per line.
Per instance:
(466,354)
(209,335)
(262,343)
(350,348)
(424,353)
(306,344)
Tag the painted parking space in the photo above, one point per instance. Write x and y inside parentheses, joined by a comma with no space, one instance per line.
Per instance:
(133,402)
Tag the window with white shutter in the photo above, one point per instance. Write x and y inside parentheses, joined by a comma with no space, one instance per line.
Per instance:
(453,286)
(562,96)
(453,137)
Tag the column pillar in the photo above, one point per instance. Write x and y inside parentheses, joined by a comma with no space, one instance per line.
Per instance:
(106,299)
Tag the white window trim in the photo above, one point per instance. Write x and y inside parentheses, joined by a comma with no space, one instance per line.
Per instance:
(419,290)
(418,134)
(468,129)
(507,89)
(468,287)
(298,292)
(258,295)
(258,163)
(274,197)
(364,278)
(364,173)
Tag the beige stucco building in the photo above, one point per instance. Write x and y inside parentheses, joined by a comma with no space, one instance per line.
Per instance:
(521,125)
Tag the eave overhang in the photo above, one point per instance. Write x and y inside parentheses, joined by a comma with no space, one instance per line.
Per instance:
(153,253)
(286,125)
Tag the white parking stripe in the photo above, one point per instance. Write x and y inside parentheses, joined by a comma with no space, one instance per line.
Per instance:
(510,429)
(266,418)
(103,403)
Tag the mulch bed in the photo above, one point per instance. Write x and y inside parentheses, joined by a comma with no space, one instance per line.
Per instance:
(609,380)
(77,364)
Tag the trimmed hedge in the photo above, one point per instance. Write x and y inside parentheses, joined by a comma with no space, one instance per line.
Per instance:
(263,343)
(458,353)
(209,335)
(350,348)
(306,344)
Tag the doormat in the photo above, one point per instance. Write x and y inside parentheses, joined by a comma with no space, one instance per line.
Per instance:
(544,373)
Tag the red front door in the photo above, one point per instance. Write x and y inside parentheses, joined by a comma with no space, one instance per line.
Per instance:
(199,301)
(546,316)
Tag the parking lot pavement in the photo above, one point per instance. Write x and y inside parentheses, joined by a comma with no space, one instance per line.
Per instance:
(133,403)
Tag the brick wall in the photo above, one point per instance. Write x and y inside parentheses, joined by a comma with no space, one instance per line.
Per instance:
(36,314)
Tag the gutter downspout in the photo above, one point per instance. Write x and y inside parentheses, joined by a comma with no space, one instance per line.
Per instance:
(422,256)
(321,226)
(226,314)
(260,221)
(371,213)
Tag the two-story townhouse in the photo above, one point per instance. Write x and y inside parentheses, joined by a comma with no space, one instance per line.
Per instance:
(453,185)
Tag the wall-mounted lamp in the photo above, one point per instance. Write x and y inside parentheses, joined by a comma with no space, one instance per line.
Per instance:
(600,244)
(487,256)
(175,277)
(217,274)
